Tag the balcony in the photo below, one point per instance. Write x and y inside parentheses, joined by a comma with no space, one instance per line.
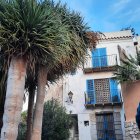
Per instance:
(103,98)
(101,63)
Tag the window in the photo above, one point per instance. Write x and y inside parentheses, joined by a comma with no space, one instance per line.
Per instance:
(86,123)
(102,91)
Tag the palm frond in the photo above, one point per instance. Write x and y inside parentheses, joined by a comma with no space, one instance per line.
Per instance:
(129,70)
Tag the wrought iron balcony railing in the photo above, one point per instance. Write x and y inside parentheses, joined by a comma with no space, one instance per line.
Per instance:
(103,97)
(101,61)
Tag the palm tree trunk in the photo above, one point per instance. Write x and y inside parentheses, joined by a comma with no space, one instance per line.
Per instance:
(1,116)
(30,113)
(14,99)
(2,102)
(38,114)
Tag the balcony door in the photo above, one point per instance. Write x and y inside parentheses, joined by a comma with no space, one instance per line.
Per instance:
(105,127)
(102,90)
(99,57)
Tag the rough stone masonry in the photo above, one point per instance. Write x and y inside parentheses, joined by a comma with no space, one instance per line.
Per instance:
(131,131)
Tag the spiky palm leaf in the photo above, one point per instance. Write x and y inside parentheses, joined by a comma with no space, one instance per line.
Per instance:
(129,70)
(29,30)
(43,32)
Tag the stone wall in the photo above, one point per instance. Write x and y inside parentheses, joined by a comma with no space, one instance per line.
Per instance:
(131,131)
(117,126)
(93,130)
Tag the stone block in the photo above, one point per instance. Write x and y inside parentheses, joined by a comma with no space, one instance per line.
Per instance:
(127,134)
(135,139)
(118,127)
(131,132)
(117,122)
(119,137)
(118,132)
(93,127)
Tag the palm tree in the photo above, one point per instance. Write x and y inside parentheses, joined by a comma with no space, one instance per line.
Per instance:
(28,34)
(30,86)
(74,51)
(34,33)
(3,77)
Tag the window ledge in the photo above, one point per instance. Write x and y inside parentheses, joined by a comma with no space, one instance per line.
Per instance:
(100,69)
(119,104)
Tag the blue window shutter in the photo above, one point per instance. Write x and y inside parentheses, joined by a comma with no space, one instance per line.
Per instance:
(99,57)
(103,57)
(115,96)
(95,58)
(90,90)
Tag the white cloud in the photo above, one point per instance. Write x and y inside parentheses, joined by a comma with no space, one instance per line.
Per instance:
(119,5)
(130,16)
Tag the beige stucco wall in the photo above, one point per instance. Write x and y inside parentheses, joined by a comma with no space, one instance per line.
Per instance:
(131,97)
(55,91)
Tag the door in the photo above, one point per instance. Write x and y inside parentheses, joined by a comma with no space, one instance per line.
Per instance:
(105,127)
(99,57)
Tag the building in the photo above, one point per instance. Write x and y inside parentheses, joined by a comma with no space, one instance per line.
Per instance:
(93,97)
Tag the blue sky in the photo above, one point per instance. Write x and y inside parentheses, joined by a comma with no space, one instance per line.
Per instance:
(108,15)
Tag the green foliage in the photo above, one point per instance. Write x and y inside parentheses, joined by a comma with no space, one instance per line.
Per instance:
(130,69)
(132,30)
(22,127)
(42,32)
(56,122)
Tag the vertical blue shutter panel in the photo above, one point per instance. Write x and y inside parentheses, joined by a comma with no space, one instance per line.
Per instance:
(103,57)
(99,57)
(90,90)
(115,96)
(95,58)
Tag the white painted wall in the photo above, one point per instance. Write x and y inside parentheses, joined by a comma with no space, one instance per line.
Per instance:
(84,131)
(137,39)
(77,84)
(112,49)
